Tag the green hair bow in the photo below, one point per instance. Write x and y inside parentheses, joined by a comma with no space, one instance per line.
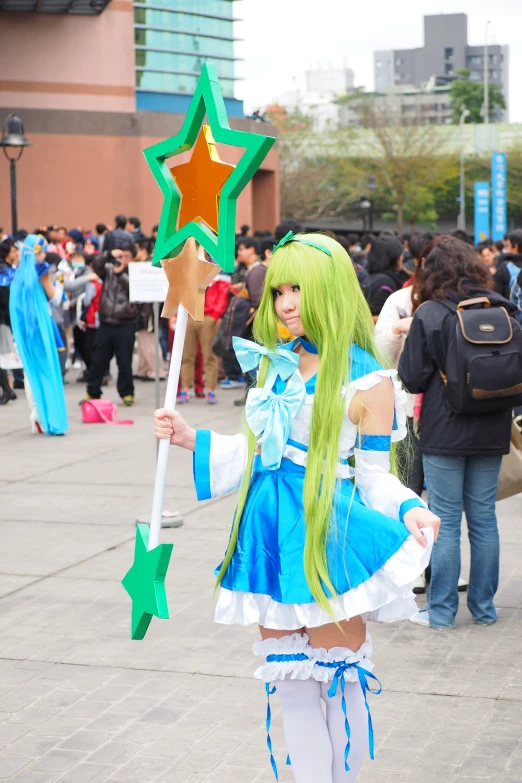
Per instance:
(291,237)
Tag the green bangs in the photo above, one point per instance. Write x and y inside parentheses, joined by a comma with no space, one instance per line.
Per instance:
(328,285)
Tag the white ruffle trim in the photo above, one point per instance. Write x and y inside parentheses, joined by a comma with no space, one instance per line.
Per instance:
(372,379)
(305,670)
(383,598)
(289,645)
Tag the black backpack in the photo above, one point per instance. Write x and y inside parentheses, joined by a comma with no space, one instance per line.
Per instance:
(484,359)
(236,322)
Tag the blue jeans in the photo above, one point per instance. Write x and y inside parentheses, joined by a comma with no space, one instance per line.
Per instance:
(454,482)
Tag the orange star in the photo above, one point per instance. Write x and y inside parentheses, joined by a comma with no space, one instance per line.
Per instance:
(200,182)
(188,276)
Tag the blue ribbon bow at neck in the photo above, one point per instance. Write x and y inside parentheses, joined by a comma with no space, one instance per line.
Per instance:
(282,361)
(268,414)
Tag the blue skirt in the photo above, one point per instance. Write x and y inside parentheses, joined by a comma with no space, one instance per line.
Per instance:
(268,559)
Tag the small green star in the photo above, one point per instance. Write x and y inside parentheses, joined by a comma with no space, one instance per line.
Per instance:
(145,582)
(208,100)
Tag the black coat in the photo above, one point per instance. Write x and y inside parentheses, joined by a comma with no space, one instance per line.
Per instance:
(378,287)
(114,308)
(441,430)
(502,277)
(4,298)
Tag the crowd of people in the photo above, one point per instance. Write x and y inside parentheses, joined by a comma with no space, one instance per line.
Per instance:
(413,286)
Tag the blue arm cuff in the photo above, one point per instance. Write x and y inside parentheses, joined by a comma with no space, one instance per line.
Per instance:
(373,442)
(201,465)
(408,504)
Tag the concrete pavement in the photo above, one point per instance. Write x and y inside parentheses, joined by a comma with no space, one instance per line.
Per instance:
(82,703)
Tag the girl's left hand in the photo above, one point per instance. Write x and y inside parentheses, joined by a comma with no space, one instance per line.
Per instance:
(417,518)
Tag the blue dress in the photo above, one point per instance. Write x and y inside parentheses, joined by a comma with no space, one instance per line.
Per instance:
(372,560)
(38,340)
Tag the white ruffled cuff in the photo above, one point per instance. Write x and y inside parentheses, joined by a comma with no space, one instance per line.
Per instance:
(297,646)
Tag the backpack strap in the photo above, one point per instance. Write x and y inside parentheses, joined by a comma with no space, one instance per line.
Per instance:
(452,307)
(513,271)
(477,300)
(447,304)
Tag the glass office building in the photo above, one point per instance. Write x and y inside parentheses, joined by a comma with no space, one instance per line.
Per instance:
(173,38)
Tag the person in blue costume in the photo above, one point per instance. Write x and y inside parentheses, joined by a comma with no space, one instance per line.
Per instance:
(37,338)
(325,536)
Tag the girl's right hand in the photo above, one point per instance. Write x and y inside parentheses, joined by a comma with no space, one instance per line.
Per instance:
(171,424)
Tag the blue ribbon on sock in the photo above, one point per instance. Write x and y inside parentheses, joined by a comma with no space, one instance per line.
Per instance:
(268,722)
(341,667)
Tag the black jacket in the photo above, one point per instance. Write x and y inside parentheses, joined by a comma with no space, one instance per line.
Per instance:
(115,308)
(116,238)
(4,298)
(441,430)
(502,277)
(377,288)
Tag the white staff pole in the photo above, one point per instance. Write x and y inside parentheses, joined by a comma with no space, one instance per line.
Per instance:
(162,462)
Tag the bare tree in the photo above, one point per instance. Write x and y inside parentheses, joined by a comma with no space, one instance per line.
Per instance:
(409,160)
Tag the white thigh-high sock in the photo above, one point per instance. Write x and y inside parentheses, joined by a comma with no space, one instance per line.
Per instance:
(358,722)
(306,733)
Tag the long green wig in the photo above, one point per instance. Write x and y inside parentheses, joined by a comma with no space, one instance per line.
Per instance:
(334,314)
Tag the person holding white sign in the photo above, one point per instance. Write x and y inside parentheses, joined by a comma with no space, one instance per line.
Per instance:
(146,370)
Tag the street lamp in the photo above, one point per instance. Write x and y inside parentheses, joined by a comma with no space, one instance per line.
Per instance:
(486,76)
(13,139)
(366,205)
(461,223)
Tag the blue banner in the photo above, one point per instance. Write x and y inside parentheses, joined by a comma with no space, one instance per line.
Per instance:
(482,221)
(499,195)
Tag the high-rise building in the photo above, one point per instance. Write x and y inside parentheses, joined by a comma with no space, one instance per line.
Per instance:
(172,40)
(445,51)
(318,101)
(97,81)
(330,81)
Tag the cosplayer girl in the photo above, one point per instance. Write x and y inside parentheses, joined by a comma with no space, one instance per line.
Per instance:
(37,338)
(325,536)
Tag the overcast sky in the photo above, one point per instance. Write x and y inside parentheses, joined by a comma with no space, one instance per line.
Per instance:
(282,38)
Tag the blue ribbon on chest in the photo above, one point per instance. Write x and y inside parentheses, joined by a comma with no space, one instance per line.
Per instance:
(268,412)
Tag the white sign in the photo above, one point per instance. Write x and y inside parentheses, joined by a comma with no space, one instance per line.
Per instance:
(147,283)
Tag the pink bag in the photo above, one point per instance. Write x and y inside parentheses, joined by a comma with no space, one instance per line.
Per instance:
(98,411)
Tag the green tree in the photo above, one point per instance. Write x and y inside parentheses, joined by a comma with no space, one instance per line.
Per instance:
(469,95)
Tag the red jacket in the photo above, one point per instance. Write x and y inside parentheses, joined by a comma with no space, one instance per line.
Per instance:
(216,297)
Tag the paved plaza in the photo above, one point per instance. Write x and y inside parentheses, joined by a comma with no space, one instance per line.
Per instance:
(82,703)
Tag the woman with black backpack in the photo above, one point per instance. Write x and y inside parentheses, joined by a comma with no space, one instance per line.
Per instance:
(465,357)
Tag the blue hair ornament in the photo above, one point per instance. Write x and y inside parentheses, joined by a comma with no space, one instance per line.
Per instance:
(291,237)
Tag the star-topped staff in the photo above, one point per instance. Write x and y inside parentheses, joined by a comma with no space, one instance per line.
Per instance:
(194,191)
(199,207)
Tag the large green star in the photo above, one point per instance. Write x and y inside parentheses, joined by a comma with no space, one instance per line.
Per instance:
(208,100)
(145,582)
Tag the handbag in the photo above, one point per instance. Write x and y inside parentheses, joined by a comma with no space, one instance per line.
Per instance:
(510,479)
(101,411)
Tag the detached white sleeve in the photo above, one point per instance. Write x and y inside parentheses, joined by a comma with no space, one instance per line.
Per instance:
(379,489)
(218,463)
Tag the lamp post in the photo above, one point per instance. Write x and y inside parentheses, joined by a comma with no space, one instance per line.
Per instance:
(366,205)
(372,185)
(461,223)
(486,76)
(13,142)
